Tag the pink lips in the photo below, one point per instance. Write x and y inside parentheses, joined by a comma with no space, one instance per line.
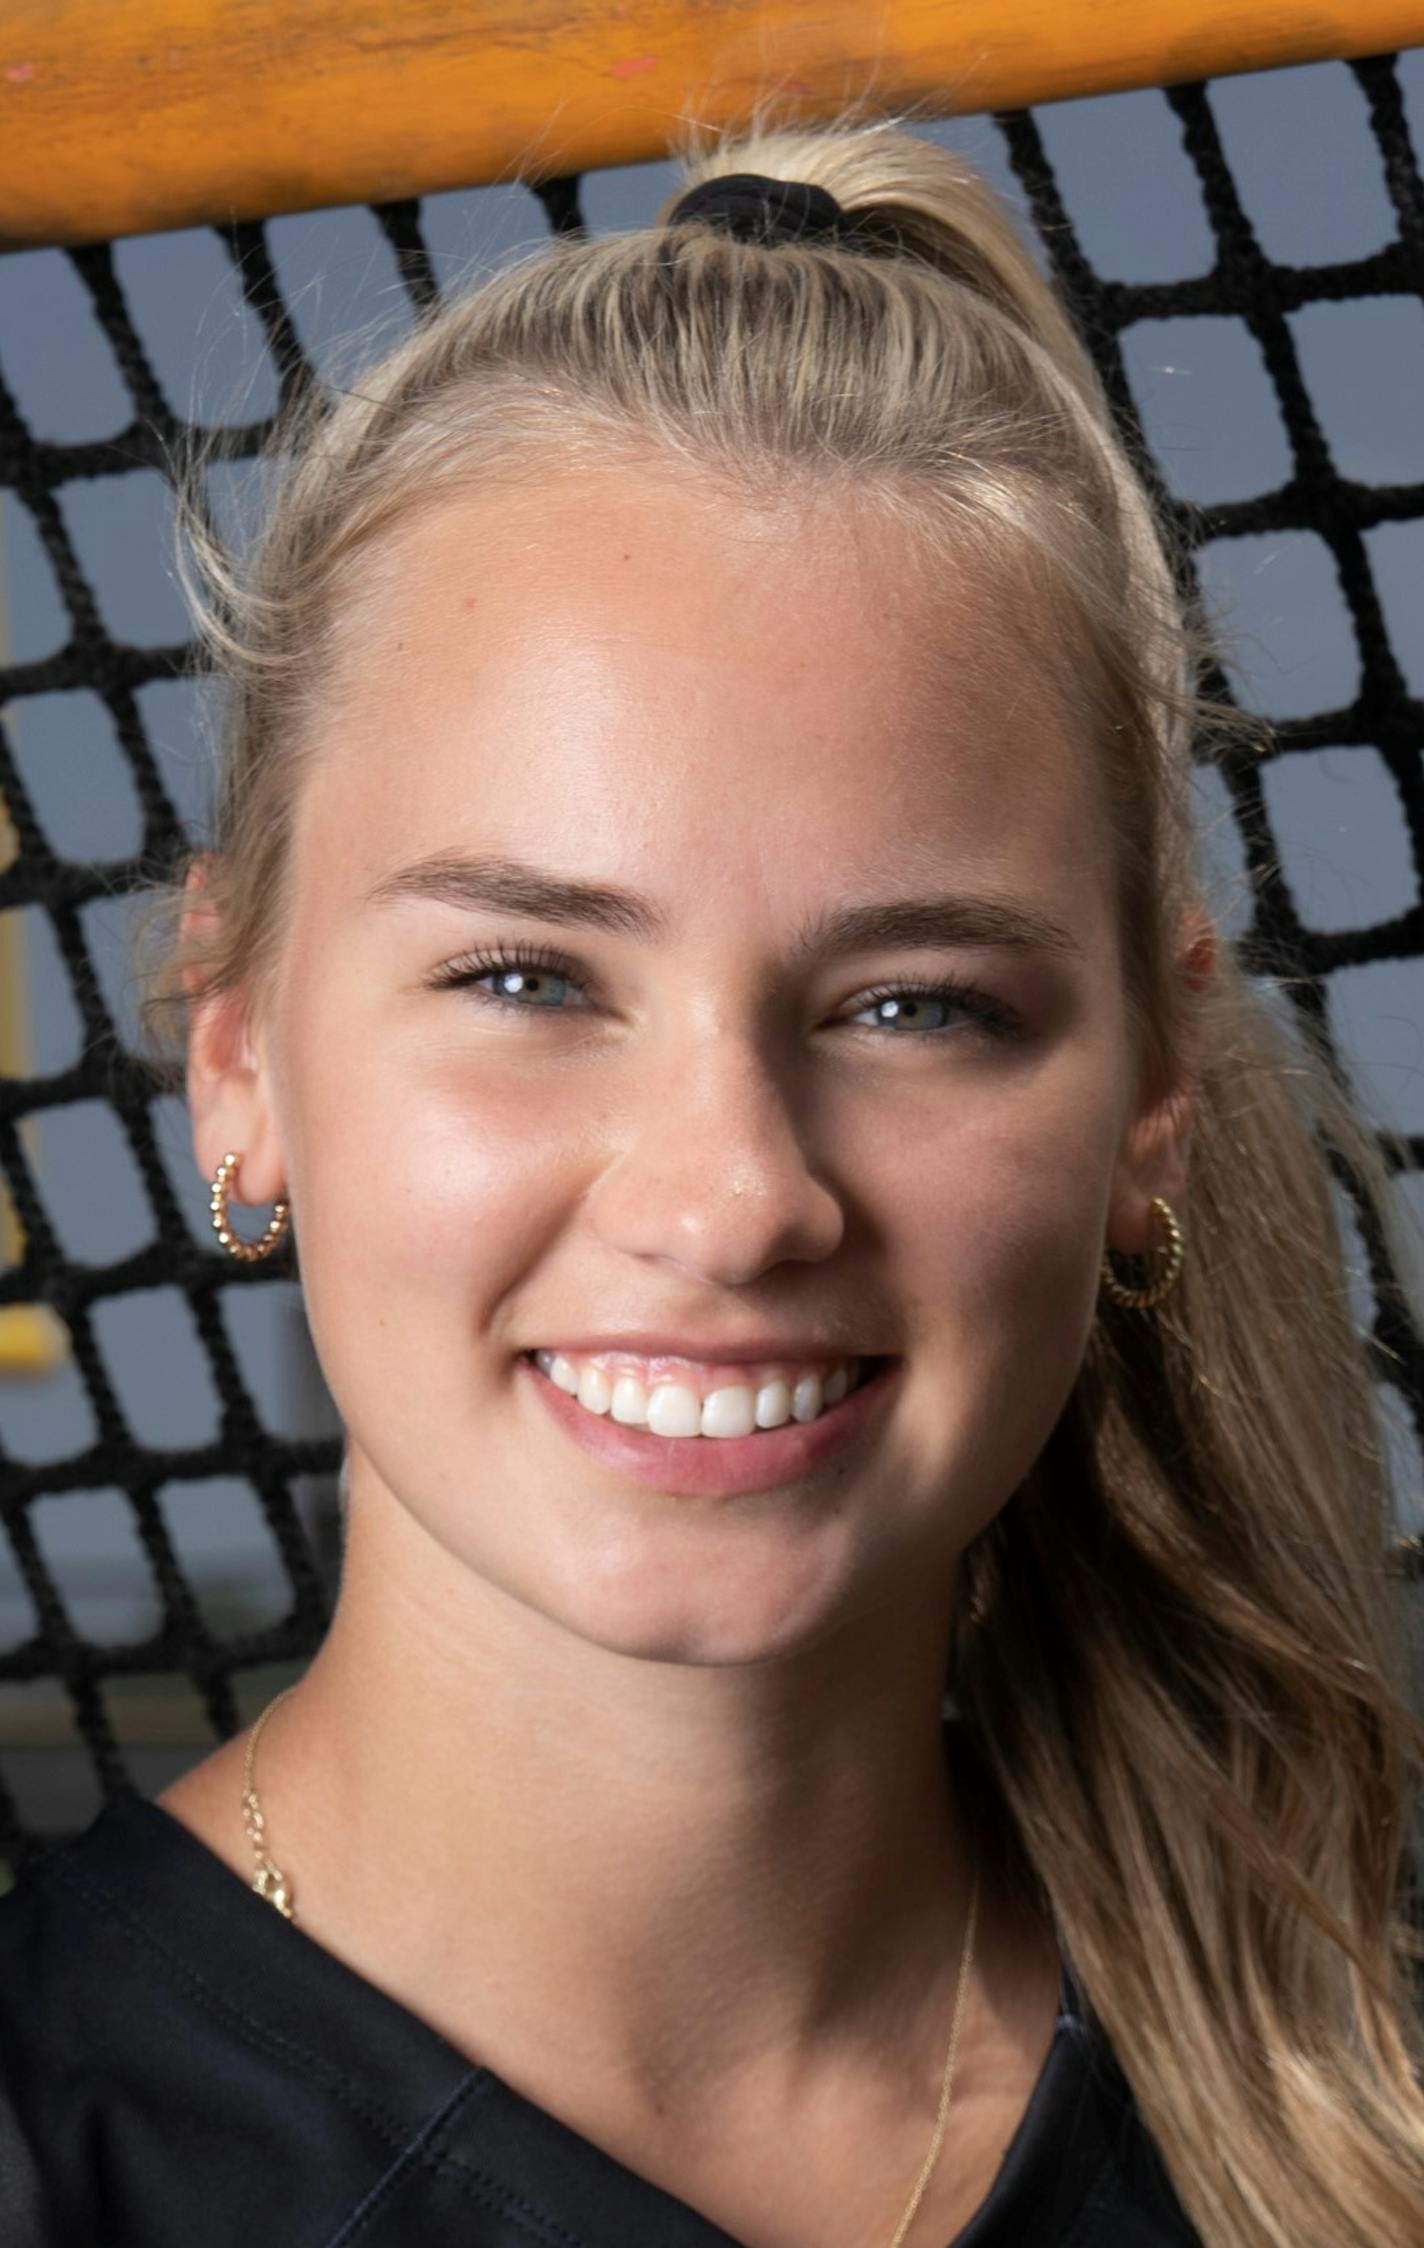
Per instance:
(690,1466)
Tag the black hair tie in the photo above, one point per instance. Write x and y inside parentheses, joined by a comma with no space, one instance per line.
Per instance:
(753,208)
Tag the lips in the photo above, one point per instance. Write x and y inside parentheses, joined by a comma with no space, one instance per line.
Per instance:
(694,1465)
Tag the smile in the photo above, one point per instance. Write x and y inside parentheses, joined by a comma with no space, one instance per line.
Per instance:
(745,1458)
(701,1400)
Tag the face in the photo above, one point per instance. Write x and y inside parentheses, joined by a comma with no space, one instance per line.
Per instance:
(701,968)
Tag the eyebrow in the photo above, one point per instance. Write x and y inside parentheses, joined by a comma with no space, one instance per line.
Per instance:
(513,886)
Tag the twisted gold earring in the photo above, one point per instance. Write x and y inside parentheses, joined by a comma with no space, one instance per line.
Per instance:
(1175,1250)
(248,1252)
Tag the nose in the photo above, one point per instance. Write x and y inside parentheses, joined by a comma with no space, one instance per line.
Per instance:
(712,1173)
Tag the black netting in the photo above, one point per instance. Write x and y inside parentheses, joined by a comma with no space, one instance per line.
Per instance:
(63,887)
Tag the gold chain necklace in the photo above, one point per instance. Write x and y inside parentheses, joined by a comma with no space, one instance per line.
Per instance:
(270,1882)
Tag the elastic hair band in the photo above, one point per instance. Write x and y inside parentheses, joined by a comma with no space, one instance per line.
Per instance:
(753,208)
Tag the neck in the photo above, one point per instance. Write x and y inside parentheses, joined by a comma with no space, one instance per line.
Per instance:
(744,1871)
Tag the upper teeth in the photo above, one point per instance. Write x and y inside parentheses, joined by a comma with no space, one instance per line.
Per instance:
(675,1407)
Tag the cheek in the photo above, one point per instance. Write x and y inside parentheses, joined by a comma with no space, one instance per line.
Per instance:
(998,1221)
(1001,1189)
(424,1190)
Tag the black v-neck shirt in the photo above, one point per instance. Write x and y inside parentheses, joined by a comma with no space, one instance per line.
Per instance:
(180,2067)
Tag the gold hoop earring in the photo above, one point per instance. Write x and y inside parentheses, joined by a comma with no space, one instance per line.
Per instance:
(1146,1299)
(248,1252)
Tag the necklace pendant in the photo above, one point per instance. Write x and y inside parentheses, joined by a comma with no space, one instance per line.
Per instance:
(271,1884)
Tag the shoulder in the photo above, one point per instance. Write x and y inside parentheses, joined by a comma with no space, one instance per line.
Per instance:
(1082,2170)
(82,1956)
(58,1987)
(96,2008)
(1127,2199)
(177,2061)
(50,1933)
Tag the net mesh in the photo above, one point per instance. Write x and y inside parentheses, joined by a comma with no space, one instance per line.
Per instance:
(1276,940)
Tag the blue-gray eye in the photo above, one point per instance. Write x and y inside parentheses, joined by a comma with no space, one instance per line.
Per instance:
(521,981)
(923,1010)
(909,1011)
(540,986)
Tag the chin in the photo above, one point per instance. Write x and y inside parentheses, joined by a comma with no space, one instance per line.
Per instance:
(735,1608)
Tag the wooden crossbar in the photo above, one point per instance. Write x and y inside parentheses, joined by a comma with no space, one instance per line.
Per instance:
(127,116)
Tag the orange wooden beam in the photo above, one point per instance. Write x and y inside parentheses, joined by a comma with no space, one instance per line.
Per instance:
(127,116)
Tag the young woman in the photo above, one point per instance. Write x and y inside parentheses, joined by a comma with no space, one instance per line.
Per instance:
(800,1217)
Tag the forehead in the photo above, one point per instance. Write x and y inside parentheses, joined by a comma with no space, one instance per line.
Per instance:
(635,676)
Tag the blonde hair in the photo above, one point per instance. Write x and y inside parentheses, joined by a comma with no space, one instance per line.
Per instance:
(1176,1653)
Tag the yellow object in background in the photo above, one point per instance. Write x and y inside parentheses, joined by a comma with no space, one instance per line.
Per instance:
(32,1340)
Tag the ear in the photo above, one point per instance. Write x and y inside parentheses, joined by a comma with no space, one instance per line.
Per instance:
(1153,1158)
(227,1078)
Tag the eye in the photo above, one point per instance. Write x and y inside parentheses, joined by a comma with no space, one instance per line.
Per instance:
(529,981)
(930,1009)
(533,980)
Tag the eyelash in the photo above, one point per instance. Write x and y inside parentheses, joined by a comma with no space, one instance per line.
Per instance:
(989,1014)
